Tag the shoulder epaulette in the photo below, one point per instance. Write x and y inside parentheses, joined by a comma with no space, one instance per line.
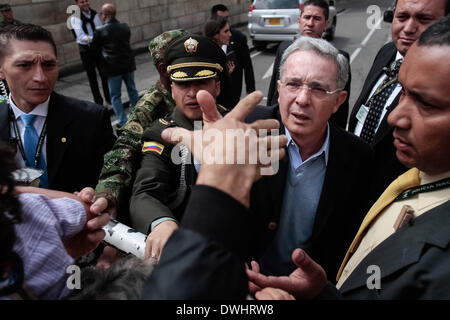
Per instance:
(164,121)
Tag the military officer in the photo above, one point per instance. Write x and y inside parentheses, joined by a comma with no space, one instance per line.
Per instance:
(163,182)
(120,164)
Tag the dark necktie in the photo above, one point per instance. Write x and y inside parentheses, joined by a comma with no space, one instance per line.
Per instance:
(378,100)
(30,142)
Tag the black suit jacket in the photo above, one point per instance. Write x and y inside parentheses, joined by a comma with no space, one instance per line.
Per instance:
(387,167)
(340,117)
(343,201)
(414,262)
(243,65)
(86,127)
(113,40)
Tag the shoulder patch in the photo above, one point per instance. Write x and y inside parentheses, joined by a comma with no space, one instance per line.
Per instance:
(134,127)
(153,146)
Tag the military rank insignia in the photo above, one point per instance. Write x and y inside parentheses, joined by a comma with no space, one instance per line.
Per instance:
(153,146)
(190,45)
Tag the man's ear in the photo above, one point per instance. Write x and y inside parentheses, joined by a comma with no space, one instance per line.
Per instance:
(217,88)
(162,69)
(342,95)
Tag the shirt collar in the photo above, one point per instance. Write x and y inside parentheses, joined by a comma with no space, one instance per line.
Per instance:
(324,149)
(88,14)
(398,56)
(39,110)
(428,178)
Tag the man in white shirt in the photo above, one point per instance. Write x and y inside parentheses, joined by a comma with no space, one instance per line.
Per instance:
(83,28)
(64,137)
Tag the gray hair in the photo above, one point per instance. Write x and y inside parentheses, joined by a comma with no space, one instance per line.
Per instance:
(322,48)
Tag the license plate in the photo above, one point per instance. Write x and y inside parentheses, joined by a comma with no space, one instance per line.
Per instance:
(274,21)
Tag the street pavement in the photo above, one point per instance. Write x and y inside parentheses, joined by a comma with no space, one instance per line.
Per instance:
(76,85)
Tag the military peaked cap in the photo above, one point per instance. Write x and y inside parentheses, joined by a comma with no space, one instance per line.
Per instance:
(194,57)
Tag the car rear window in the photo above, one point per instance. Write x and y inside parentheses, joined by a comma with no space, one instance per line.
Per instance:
(276,4)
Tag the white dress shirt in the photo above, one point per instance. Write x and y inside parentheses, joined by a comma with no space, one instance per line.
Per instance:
(82,37)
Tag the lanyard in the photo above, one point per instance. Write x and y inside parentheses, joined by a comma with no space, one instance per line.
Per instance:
(441,184)
(385,85)
(38,152)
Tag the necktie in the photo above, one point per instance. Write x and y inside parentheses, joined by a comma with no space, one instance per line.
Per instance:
(378,100)
(404,182)
(30,142)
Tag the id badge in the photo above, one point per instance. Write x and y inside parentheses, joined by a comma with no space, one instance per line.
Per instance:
(362,113)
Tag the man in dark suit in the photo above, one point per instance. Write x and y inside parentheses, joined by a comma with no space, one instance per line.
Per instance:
(369,115)
(238,51)
(312,22)
(316,200)
(64,137)
(112,39)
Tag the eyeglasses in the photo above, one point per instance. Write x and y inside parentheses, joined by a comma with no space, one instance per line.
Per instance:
(315,90)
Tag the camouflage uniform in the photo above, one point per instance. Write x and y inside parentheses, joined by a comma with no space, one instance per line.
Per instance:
(4,90)
(3,23)
(121,162)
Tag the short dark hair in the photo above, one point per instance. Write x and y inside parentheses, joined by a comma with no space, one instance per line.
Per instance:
(217,7)
(438,34)
(213,26)
(27,31)
(447,6)
(319,3)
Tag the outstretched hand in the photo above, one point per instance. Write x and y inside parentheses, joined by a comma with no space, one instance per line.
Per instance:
(305,282)
(226,164)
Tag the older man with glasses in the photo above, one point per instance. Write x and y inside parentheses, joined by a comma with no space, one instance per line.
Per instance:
(317,200)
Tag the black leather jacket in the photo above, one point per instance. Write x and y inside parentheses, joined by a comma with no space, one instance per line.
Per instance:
(113,39)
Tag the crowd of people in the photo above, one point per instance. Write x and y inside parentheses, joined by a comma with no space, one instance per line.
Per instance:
(342,198)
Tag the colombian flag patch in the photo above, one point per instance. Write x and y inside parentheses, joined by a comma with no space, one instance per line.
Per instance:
(153,146)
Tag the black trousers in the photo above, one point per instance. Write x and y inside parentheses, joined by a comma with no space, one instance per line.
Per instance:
(91,59)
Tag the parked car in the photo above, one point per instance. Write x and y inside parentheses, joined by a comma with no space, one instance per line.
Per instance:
(277,20)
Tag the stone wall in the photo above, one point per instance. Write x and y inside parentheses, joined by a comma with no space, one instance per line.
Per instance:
(146,18)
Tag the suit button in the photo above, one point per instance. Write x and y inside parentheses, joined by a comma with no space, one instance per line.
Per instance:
(272,226)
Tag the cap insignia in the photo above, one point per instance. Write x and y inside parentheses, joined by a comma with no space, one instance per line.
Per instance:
(204,73)
(191,45)
(179,74)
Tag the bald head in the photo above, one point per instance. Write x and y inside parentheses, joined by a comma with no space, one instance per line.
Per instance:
(108,11)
